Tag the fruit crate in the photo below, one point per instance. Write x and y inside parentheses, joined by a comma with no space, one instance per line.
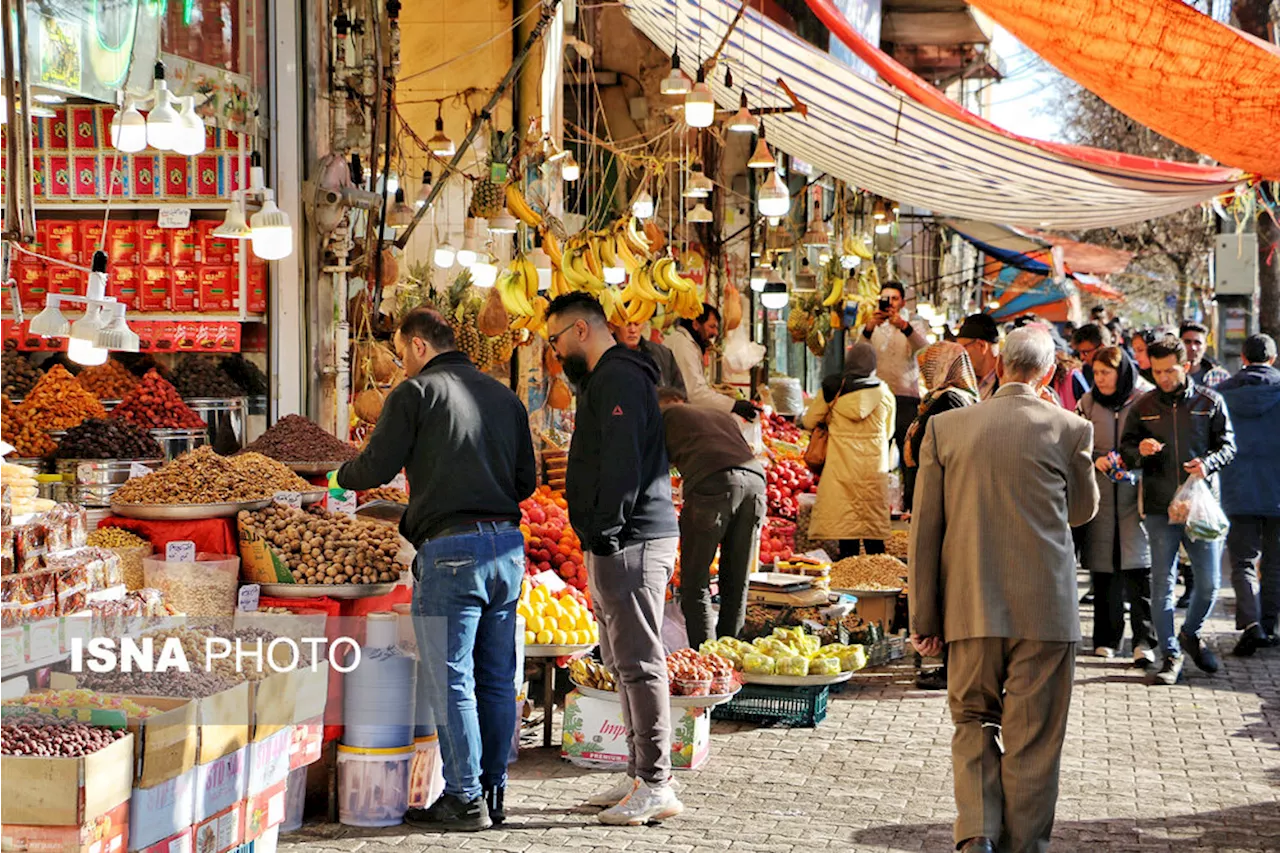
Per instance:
(886,650)
(791,707)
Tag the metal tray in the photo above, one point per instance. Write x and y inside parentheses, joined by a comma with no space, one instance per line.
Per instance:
(184,512)
(676,701)
(312,469)
(319,590)
(389,511)
(554,651)
(869,593)
(795,680)
(312,497)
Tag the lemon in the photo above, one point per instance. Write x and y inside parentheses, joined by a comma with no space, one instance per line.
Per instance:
(533,624)
(582,623)
(550,623)
(543,637)
(560,638)
(530,638)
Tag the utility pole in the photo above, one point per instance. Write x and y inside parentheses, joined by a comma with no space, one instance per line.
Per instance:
(1256,18)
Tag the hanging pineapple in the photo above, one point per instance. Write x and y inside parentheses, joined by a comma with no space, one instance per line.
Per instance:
(487,199)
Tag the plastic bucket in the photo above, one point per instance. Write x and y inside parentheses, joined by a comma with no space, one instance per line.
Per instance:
(295,799)
(373,785)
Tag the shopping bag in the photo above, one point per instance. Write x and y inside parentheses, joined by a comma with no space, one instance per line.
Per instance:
(1195,507)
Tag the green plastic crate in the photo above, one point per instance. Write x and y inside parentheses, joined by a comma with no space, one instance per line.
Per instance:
(792,707)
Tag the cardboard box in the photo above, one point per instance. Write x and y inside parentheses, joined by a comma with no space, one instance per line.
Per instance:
(59,179)
(256,290)
(65,791)
(116,175)
(122,243)
(224,723)
(181,842)
(218,251)
(52,134)
(306,743)
(125,284)
(92,236)
(148,179)
(274,700)
(162,811)
(184,290)
(219,288)
(595,736)
(221,783)
(84,176)
(67,280)
(40,177)
(61,239)
(153,243)
(108,833)
(222,832)
(153,288)
(82,124)
(208,178)
(175,176)
(33,283)
(184,246)
(269,762)
(263,811)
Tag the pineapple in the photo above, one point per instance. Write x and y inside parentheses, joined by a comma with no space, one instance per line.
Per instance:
(487,198)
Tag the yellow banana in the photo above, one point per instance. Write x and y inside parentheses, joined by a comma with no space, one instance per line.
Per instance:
(608,257)
(644,286)
(641,310)
(591,257)
(574,275)
(519,207)
(836,292)
(623,251)
(636,238)
(551,246)
(530,276)
(609,302)
(514,291)
(590,281)
(855,245)
(559,287)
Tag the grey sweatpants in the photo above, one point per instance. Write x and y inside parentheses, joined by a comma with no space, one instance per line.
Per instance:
(628,590)
(724,511)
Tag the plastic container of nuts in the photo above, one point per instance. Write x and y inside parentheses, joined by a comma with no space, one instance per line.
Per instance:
(205,587)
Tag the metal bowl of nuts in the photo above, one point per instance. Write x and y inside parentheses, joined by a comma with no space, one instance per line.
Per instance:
(335,590)
(314,469)
(314,497)
(184,512)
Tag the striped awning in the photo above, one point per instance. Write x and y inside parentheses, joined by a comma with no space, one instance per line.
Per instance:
(878,139)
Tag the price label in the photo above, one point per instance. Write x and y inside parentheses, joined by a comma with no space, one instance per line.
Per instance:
(345,501)
(137,469)
(180,551)
(249,597)
(12,647)
(84,472)
(44,640)
(175,217)
(293,499)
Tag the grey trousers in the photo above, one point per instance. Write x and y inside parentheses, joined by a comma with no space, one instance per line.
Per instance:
(1254,545)
(1009,701)
(628,590)
(725,511)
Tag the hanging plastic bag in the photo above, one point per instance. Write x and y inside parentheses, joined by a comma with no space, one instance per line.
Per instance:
(740,354)
(1195,507)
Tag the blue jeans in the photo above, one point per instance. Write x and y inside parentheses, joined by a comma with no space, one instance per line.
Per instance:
(465,603)
(1206,566)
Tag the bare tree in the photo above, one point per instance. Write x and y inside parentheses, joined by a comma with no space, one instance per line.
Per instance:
(1170,254)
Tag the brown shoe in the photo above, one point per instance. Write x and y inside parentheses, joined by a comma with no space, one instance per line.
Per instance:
(978,845)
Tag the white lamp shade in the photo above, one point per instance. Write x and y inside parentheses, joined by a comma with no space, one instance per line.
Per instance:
(614,275)
(759,278)
(675,83)
(642,207)
(469,253)
(190,137)
(503,223)
(116,334)
(484,272)
(234,227)
(84,352)
(272,234)
(774,296)
(741,122)
(762,157)
(700,213)
(570,170)
(163,122)
(129,130)
(699,106)
(850,261)
(444,255)
(773,198)
(50,323)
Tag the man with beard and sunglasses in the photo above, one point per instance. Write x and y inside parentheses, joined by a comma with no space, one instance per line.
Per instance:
(618,488)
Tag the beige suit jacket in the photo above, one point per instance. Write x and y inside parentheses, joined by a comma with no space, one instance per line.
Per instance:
(1000,486)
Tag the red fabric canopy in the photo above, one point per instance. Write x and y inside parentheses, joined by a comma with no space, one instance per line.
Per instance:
(1203,84)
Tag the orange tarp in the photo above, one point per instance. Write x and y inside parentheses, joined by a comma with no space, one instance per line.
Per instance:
(1203,84)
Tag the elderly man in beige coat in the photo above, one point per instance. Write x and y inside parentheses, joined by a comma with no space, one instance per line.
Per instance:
(993,578)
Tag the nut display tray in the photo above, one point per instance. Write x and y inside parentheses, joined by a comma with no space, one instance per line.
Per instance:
(320,590)
(312,469)
(184,512)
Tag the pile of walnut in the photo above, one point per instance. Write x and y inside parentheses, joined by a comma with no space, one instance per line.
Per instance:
(321,547)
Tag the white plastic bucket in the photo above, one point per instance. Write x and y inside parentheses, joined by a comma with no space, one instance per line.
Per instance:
(373,785)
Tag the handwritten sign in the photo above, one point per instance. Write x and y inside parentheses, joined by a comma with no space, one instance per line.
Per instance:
(292,499)
(248,601)
(175,217)
(180,551)
(137,469)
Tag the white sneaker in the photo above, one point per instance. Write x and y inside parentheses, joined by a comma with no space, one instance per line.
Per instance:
(646,803)
(1104,652)
(614,794)
(1143,657)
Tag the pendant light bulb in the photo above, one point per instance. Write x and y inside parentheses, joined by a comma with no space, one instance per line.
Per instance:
(699,105)
(742,121)
(272,237)
(163,121)
(440,144)
(700,213)
(570,170)
(774,295)
(443,255)
(642,207)
(676,82)
(484,273)
(129,130)
(762,157)
(424,191)
(759,277)
(773,199)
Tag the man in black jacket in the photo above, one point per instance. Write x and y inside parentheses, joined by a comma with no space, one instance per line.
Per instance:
(1174,432)
(463,440)
(618,487)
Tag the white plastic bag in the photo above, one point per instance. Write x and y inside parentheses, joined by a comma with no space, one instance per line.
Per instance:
(740,354)
(1195,507)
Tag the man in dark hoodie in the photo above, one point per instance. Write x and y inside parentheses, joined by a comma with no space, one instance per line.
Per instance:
(1251,495)
(618,487)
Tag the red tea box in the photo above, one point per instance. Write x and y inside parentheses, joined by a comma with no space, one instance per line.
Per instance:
(52,134)
(33,283)
(184,290)
(184,246)
(219,288)
(84,176)
(56,176)
(208,177)
(153,243)
(82,123)
(216,249)
(116,174)
(256,299)
(123,282)
(176,175)
(61,239)
(122,243)
(39,177)
(148,179)
(91,238)
(67,281)
(153,290)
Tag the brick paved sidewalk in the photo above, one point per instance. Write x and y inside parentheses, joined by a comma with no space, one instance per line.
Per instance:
(1190,768)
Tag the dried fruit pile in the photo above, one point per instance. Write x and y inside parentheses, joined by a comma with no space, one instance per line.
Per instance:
(108,438)
(199,376)
(198,477)
(321,547)
(56,402)
(52,737)
(108,381)
(294,438)
(872,572)
(155,404)
(17,374)
(383,493)
(269,473)
(247,375)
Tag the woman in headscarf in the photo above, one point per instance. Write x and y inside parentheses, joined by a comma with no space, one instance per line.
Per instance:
(853,493)
(1114,546)
(951,384)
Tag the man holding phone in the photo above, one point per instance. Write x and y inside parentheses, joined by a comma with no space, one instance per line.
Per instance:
(896,341)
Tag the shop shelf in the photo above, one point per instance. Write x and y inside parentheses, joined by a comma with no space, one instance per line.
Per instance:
(792,707)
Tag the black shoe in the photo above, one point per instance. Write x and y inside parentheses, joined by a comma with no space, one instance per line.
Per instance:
(1250,641)
(1271,641)
(933,680)
(1203,656)
(1168,674)
(977,845)
(493,800)
(451,814)
(1087,598)
(1184,600)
